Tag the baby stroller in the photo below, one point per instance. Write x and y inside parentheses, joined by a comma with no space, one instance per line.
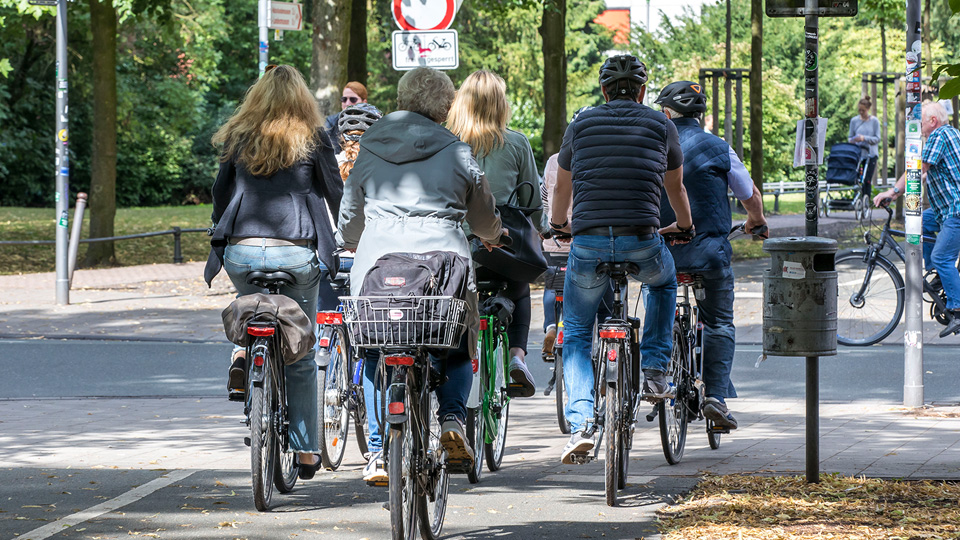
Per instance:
(846,177)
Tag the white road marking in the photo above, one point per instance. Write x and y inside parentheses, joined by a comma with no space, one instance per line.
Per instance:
(131,496)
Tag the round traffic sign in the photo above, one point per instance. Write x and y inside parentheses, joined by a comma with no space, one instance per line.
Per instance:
(424,14)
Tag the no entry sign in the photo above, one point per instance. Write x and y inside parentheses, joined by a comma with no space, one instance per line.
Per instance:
(413,15)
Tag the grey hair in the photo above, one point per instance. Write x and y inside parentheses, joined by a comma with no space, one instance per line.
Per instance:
(933,109)
(426,91)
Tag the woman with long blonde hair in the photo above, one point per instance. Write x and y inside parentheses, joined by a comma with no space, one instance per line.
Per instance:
(479,116)
(278,179)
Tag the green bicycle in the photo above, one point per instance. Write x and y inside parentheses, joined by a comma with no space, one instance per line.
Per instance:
(489,402)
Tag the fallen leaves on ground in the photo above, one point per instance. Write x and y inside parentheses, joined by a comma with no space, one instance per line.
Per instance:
(841,508)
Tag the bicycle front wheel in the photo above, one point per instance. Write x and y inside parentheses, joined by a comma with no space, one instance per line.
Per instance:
(673,411)
(262,438)
(333,384)
(871,299)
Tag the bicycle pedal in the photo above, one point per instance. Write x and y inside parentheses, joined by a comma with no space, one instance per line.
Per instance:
(237,394)
(718,429)
(581,459)
(459,466)
(516,390)
(379,483)
(549,358)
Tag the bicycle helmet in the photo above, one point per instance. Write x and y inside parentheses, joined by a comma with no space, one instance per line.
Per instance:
(685,97)
(357,117)
(620,69)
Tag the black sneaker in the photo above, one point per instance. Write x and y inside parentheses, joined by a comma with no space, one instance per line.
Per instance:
(953,326)
(238,377)
(655,385)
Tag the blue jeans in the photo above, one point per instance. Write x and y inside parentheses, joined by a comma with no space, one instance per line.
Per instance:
(301,377)
(583,291)
(719,332)
(451,395)
(550,306)
(943,254)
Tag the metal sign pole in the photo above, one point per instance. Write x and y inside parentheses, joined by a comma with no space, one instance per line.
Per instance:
(62,161)
(263,20)
(913,334)
(811,68)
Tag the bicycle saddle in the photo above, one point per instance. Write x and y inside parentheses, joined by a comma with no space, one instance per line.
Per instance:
(617,270)
(267,280)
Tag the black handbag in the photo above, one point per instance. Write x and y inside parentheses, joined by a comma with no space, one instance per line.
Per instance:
(523,260)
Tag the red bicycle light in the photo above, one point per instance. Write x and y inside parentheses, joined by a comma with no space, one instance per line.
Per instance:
(475,363)
(398,361)
(324,341)
(330,317)
(559,298)
(258,361)
(560,337)
(396,408)
(612,355)
(613,334)
(260,331)
(484,324)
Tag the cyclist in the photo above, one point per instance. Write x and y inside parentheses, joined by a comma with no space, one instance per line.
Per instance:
(353,93)
(412,186)
(276,162)
(941,173)
(351,124)
(615,159)
(710,169)
(479,116)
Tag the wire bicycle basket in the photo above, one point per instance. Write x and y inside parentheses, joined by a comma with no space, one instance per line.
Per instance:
(404,321)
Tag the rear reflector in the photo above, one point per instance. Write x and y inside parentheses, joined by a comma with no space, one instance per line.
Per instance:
(484,324)
(260,331)
(560,338)
(612,355)
(559,298)
(258,361)
(613,334)
(398,360)
(395,408)
(329,317)
(325,342)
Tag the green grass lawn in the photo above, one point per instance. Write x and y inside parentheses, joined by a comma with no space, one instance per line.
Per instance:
(38,224)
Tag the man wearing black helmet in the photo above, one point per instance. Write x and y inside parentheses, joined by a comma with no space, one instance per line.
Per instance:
(710,169)
(614,162)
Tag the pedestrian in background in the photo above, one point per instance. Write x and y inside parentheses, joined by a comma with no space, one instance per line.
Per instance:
(865,133)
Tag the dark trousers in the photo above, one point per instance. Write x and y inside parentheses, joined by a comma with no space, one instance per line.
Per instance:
(518,293)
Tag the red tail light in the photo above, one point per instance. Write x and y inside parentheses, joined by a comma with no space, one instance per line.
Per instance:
(684,279)
(260,331)
(398,360)
(484,324)
(395,408)
(613,334)
(559,298)
(612,355)
(258,361)
(324,341)
(330,317)
(560,337)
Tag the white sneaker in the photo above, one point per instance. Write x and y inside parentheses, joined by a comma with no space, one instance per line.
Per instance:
(376,470)
(580,443)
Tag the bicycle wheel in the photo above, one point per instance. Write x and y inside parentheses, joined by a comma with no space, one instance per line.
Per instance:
(401,457)
(432,504)
(713,437)
(499,408)
(475,437)
(673,412)
(262,439)
(871,298)
(561,395)
(361,427)
(626,427)
(333,384)
(611,428)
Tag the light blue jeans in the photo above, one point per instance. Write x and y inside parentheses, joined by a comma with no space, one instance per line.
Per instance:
(301,377)
(943,254)
(583,289)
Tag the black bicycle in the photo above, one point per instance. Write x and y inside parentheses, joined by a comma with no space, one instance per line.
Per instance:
(265,401)
(554,280)
(871,288)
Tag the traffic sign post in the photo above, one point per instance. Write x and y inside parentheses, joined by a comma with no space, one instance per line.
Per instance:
(263,21)
(434,49)
(62,166)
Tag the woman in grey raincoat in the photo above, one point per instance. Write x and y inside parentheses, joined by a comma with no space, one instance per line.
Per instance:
(411,188)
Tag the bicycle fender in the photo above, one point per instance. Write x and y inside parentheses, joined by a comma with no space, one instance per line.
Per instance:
(397,403)
(612,371)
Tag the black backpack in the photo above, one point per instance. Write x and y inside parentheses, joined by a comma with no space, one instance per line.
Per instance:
(395,315)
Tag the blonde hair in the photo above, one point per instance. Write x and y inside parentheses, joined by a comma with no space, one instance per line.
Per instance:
(274,127)
(480,112)
(426,91)
(350,149)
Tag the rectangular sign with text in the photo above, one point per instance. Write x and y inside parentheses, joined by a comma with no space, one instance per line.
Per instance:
(286,16)
(438,49)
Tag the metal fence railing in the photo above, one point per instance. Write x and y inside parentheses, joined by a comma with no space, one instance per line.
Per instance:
(175,231)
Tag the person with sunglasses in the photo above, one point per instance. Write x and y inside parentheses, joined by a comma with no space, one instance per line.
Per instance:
(353,93)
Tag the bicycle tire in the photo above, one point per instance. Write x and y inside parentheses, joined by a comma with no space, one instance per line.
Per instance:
(673,411)
(611,428)
(713,437)
(333,415)
(867,320)
(561,395)
(401,454)
(262,445)
(475,438)
(361,426)
(626,428)
(432,507)
(493,450)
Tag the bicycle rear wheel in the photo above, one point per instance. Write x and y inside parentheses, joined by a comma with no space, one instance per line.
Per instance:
(401,457)
(432,504)
(673,412)
(611,429)
(561,394)
(333,384)
(262,438)
(499,407)
(871,298)
(475,432)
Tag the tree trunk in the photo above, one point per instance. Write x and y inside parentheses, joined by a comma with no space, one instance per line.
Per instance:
(883,46)
(756,92)
(553,31)
(331,44)
(927,39)
(357,55)
(103,168)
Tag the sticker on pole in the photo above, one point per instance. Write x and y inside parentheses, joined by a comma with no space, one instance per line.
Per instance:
(425,14)
(793,270)
(434,49)
(286,16)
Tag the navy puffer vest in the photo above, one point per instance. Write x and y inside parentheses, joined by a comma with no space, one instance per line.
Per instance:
(706,162)
(619,158)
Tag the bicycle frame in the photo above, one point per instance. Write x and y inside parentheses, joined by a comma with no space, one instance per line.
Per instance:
(688,316)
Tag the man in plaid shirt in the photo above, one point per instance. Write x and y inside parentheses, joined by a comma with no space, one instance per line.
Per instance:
(941,173)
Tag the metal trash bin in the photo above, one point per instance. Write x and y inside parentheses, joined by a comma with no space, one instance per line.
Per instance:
(800,297)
